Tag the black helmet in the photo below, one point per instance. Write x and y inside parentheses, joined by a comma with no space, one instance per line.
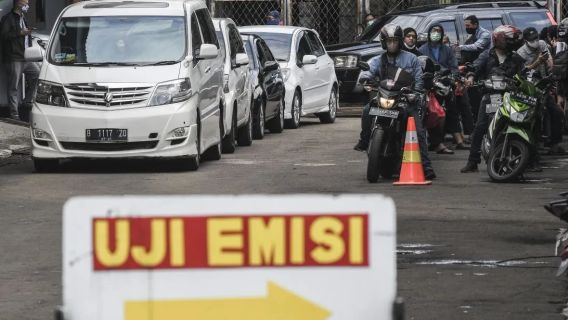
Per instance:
(563,30)
(391,31)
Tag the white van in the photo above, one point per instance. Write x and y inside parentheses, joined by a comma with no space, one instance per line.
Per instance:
(129,79)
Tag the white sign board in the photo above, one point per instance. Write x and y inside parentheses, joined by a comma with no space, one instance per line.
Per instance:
(306,257)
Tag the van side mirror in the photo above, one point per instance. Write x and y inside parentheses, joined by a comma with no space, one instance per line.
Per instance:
(207,51)
(33,54)
(241,59)
(422,38)
(309,59)
(363,66)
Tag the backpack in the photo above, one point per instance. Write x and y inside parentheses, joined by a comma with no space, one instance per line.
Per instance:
(560,66)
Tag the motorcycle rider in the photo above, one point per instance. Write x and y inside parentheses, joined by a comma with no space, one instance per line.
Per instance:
(502,60)
(395,58)
(443,56)
(410,39)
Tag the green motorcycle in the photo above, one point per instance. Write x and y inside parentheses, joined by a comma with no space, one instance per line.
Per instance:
(514,131)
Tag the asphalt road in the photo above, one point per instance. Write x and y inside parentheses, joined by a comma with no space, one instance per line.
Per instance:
(452,235)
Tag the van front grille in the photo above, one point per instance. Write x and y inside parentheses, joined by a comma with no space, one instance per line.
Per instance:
(108,96)
(119,146)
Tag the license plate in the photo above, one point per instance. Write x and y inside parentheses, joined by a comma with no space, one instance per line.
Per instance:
(496,102)
(106,135)
(393,114)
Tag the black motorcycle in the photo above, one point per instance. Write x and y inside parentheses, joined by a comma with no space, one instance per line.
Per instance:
(388,115)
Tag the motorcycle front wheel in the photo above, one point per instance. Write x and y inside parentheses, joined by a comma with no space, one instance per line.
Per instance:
(507,164)
(375,156)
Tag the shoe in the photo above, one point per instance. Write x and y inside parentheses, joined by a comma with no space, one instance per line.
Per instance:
(361,146)
(445,151)
(461,146)
(470,167)
(430,174)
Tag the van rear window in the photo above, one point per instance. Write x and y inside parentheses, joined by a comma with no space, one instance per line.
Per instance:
(537,19)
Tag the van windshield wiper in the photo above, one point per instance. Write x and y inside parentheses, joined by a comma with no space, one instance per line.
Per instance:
(106,64)
(160,63)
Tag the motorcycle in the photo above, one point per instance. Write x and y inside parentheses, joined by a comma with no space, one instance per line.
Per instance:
(514,131)
(559,208)
(388,116)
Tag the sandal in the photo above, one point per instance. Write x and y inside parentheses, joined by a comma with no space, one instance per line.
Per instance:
(445,151)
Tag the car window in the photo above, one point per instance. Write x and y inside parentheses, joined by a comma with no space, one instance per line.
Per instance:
(267,52)
(221,40)
(316,45)
(523,20)
(196,40)
(450,30)
(279,44)
(207,28)
(490,23)
(404,21)
(303,48)
(261,56)
(235,43)
(250,53)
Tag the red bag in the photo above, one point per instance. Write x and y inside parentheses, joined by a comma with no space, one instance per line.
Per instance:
(436,113)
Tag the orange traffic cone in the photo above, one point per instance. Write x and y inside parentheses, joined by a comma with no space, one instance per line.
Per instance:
(411,172)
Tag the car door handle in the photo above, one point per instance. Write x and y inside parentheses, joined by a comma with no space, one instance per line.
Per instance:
(207,69)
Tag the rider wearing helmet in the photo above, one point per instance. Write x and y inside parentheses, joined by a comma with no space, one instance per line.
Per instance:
(395,62)
(503,60)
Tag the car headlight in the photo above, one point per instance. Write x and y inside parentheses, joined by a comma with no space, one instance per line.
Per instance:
(171,92)
(51,94)
(285,74)
(345,61)
(387,103)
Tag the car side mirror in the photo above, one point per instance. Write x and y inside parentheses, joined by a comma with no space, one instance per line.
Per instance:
(422,38)
(363,66)
(270,65)
(33,54)
(241,59)
(309,59)
(207,51)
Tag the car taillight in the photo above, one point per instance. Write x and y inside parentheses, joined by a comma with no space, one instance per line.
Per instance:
(551,18)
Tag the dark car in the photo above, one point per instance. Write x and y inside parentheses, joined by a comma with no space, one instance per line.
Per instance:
(267,85)
(522,14)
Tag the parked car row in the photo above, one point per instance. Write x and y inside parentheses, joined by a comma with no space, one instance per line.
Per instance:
(164,80)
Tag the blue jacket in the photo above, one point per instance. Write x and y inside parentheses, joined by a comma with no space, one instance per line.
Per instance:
(483,42)
(447,58)
(404,60)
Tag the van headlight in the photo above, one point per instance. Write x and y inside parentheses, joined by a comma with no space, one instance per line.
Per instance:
(171,92)
(345,61)
(387,103)
(51,94)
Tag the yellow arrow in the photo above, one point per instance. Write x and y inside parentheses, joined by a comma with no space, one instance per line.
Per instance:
(280,304)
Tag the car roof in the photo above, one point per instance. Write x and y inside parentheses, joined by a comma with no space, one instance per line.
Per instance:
(271,29)
(218,22)
(477,6)
(131,8)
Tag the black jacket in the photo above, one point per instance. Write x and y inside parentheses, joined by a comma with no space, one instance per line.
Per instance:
(488,64)
(13,44)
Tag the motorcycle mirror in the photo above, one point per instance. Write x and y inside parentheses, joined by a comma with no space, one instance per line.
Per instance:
(363,66)
(437,67)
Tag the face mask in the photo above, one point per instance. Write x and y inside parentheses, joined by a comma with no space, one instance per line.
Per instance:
(25,8)
(392,47)
(533,44)
(435,36)
(470,30)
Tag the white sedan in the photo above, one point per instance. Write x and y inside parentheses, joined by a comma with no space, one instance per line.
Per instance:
(308,71)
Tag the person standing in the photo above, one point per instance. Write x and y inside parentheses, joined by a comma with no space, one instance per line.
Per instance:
(16,37)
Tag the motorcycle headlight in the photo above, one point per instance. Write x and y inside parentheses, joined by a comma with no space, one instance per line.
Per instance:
(51,94)
(285,74)
(387,103)
(519,116)
(171,92)
(345,61)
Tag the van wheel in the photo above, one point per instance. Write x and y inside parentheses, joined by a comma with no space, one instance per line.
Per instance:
(45,165)
(244,138)
(229,144)
(296,110)
(214,152)
(276,125)
(258,124)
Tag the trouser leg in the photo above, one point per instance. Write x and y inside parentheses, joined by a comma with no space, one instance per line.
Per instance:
(365,134)
(31,70)
(422,141)
(479,131)
(14,81)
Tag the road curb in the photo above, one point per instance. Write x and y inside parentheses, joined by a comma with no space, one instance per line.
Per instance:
(14,138)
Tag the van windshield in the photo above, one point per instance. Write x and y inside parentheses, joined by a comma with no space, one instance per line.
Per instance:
(117,40)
